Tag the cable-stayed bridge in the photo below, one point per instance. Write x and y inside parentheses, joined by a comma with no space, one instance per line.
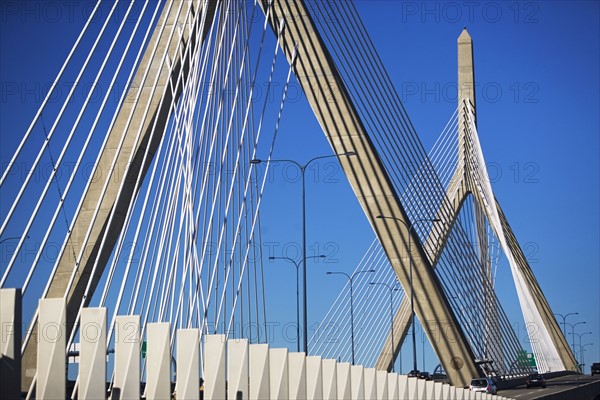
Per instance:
(154,202)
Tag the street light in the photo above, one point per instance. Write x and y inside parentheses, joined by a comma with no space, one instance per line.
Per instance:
(582,349)
(302,168)
(573,333)
(392,290)
(564,318)
(351,279)
(579,335)
(412,292)
(297,264)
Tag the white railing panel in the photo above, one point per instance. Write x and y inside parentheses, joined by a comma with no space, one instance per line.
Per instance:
(429,390)
(446,392)
(437,391)
(357,379)
(382,385)
(279,374)
(459,393)
(402,387)
(421,390)
(393,392)
(297,376)
(413,390)
(329,379)
(92,354)
(158,361)
(370,383)
(214,367)
(187,384)
(344,381)
(314,378)
(10,348)
(51,349)
(127,358)
(237,369)
(259,372)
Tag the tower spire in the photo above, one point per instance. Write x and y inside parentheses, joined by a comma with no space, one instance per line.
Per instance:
(466,74)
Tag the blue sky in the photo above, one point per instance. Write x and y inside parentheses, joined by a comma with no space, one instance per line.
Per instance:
(538,68)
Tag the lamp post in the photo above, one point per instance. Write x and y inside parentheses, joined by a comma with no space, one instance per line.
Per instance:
(564,318)
(302,168)
(297,264)
(351,279)
(582,349)
(573,332)
(579,335)
(392,290)
(410,229)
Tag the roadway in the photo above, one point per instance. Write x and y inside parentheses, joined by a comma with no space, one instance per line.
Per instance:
(569,387)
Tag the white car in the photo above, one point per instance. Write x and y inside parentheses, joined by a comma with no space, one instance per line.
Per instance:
(485,385)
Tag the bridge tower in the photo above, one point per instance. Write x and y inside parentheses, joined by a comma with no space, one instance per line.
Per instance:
(470,179)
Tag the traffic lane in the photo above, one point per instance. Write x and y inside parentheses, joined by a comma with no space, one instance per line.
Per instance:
(553,386)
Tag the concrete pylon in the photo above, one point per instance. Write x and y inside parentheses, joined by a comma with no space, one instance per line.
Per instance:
(466,92)
(342,126)
(142,95)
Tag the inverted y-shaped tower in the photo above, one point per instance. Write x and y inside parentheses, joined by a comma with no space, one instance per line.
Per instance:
(471,179)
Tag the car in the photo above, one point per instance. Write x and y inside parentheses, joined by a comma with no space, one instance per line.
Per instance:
(535,380)
(425,375)
(596,369)
(414,373)
(485,385)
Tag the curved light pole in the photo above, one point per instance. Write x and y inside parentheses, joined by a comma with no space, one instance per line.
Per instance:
(351,279)
(302,168)
(573,332)
(581,350)
(392,290)
(410,229)
(564,318)
(297,264)
(579,335)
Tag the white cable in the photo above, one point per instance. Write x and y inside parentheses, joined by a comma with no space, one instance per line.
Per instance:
(50,92)
(49,136)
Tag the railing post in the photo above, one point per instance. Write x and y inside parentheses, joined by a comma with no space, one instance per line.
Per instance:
(158,361)
(51,346)
(329,379)
(187,385)
(214,367)
(314,378)
(357,380)
(259,372)
(297,380)
(92,357)
(279,374)
(127,358)
(344,381)
(10,360)
(237,369)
